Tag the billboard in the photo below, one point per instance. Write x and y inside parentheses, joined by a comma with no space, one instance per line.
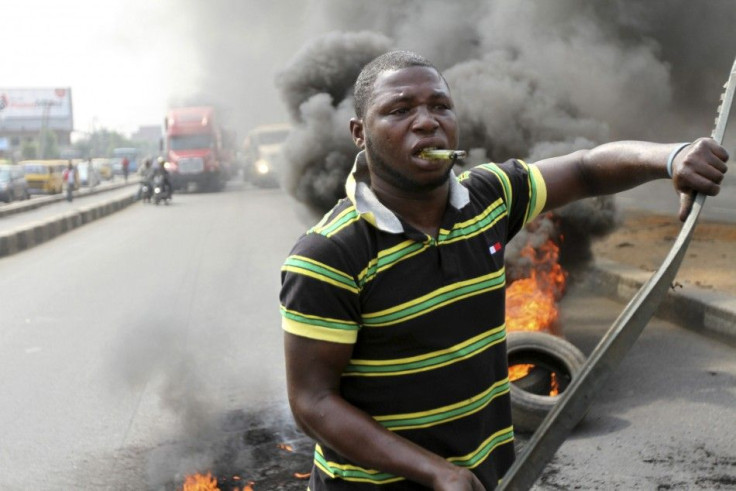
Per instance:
(33,109)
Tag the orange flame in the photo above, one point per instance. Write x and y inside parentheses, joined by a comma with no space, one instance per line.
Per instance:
(531,303)
(205,482)
(555,386)
(200,482)
(519,371)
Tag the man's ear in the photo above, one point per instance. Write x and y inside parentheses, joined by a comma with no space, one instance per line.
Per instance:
(356,130)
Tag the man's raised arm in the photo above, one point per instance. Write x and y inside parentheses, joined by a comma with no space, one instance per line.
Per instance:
(613,167)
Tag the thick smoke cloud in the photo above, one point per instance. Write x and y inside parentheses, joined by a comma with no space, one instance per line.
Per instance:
(317,88)
(530,80)
(330,64)
(650,69)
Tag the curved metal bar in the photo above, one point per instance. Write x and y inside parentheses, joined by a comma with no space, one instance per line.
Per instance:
(614,345)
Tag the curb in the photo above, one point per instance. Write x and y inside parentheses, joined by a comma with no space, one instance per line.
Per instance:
(33,234)
(704,311)
(39,201)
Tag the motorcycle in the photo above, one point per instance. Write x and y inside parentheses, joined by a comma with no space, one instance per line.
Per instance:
(161,190)
(146,191)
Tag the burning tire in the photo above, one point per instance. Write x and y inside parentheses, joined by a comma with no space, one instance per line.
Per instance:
(548,363)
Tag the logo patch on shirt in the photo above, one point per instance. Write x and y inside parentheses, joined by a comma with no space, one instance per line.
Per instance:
(495,248)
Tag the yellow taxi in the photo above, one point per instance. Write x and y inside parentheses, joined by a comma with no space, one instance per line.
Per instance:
(44,176)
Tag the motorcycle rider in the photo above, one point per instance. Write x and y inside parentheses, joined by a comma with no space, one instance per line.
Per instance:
(146,172)
(162,171)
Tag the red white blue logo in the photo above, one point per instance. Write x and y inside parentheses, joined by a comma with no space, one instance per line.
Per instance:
(495,248)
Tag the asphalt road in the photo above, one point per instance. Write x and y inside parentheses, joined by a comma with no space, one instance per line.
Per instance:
(666,417)
(134,348)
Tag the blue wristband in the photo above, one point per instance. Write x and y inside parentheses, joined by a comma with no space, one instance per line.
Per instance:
(672,156)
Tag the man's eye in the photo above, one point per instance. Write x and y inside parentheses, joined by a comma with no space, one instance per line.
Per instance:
(400,110)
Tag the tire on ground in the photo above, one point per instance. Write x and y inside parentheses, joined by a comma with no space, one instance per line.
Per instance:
(527,408)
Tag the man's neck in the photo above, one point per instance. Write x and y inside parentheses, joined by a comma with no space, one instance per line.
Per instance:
(423,211)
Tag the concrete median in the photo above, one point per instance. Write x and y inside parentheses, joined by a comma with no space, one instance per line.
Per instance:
(35,233)
(39,201)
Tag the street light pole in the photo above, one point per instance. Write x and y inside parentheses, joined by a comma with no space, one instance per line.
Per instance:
(46,104)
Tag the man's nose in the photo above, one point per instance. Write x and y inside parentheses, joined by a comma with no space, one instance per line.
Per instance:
(425,120)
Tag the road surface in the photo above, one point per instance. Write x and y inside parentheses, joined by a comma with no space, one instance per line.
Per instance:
(132,347)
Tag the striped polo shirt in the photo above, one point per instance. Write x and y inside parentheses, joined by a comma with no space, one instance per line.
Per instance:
(425,316)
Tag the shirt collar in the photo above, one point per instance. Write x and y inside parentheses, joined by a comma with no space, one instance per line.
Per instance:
(358,190)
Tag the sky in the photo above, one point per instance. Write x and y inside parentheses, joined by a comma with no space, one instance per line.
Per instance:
(126,61)
(95,48)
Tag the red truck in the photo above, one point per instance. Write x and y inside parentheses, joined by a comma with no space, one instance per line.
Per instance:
(196,148)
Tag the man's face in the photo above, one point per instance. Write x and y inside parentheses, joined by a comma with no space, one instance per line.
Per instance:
(410,110)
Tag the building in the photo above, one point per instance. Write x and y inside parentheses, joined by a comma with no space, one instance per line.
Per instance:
(148,134)
(26,112)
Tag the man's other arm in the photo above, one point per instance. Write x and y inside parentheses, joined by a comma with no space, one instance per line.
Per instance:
(313,373)
(618,166)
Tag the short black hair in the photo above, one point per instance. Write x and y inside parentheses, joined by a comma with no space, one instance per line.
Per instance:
(393,60)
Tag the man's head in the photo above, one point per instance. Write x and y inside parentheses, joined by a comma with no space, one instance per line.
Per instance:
(403,106)
(393,60)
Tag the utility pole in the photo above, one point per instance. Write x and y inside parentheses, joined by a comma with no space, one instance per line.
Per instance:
(46,105)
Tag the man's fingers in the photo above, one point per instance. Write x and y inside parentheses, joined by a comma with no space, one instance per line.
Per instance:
(718,151)
(710,185)
(686,204)
(706,158)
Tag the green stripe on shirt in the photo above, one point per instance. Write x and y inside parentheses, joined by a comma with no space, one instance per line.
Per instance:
(428,361)
(436,299)
(319,271)
(445,414)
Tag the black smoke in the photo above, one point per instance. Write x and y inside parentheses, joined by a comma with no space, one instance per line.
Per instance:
(530,80)
(317,88)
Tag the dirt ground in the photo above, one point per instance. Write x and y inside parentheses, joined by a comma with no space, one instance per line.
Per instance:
(643,240)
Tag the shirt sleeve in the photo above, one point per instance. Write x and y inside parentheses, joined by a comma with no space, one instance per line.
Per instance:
(319,295)
(520,186)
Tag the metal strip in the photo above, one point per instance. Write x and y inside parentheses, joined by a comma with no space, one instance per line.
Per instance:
(617,341)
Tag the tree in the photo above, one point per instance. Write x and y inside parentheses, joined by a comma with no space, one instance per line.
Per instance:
(100,143)
(48,144)
(29,150)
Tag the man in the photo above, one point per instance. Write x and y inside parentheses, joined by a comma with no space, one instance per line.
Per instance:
(162,171)
(126,167)
(393,304)
(146,177)
(70,180)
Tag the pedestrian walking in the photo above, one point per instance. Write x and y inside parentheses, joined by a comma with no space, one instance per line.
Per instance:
(126,166)
(69,178)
